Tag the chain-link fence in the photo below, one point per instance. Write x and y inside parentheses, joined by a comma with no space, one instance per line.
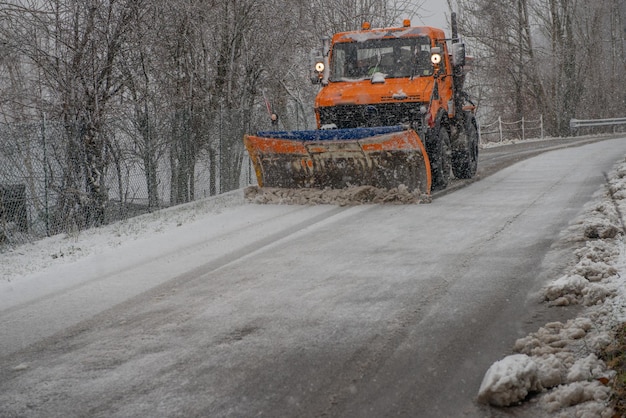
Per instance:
(39,194)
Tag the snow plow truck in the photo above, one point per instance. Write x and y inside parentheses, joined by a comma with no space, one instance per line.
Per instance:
(391,112)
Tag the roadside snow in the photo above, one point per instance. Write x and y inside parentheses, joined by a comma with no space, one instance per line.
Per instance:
(495,144)
(559,362)
(57,250)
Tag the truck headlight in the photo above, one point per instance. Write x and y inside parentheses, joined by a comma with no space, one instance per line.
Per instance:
(319,67)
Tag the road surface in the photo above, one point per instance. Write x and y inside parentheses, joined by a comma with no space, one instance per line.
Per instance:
(365,311)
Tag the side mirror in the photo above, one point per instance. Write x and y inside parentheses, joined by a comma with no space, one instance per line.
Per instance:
(458,54)
(317,62)
(318,71)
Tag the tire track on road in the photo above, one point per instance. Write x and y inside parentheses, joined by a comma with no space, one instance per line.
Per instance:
(48,315)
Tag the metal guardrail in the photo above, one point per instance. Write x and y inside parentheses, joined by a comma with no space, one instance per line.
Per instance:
(581,123)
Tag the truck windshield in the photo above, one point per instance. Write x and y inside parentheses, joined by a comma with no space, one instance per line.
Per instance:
(394,57)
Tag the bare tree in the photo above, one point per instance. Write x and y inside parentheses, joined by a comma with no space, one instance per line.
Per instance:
(146,127)
(74,46)
(547,56)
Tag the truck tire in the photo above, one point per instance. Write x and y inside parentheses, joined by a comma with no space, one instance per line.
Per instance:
(440,156)
(465,160)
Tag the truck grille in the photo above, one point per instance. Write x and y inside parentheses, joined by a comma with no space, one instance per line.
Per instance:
(383,114)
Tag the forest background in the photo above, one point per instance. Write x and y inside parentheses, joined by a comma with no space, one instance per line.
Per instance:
(114,107)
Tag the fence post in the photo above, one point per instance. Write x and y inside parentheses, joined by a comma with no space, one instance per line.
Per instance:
(541,124)
(45,173)
(219,172)
(523,131)
(500,126)
(249,171)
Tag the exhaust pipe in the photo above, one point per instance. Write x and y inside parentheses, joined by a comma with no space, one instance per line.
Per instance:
(454,27)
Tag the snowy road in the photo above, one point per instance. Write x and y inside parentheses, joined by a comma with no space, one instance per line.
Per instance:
(301,311)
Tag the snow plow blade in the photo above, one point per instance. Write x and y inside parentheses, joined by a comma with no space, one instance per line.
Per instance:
(383,157)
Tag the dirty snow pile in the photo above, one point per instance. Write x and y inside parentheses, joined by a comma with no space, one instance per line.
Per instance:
(559,363)
(354,195)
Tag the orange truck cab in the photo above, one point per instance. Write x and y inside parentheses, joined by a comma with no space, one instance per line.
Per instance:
(401,76)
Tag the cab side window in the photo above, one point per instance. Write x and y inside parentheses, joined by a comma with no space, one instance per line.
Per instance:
(423,65)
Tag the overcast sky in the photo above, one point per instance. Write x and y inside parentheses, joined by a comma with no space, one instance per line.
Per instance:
(434,13)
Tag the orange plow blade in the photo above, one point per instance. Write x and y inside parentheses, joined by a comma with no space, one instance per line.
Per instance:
(385,158)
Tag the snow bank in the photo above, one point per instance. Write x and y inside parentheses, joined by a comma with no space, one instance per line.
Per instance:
(582,399)
(61,249)
(559,362)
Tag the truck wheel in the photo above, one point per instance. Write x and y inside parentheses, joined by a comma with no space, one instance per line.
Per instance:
(440,158)
(465,161)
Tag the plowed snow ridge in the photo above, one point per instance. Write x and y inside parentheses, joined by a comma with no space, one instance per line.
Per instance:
(560,361)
